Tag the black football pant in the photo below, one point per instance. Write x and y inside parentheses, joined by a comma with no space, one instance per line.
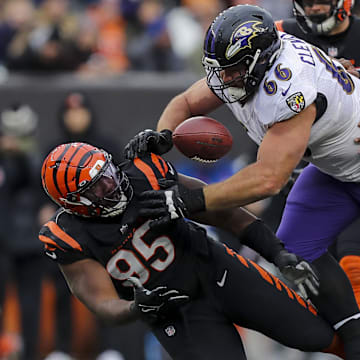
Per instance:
(237,291)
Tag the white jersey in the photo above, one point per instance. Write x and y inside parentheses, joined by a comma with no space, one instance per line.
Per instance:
(296,79)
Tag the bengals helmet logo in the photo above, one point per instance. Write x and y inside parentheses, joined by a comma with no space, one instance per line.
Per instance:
(241,37)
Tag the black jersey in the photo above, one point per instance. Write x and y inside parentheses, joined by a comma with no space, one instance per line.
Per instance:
(342,45)
(124,245)
(224,287)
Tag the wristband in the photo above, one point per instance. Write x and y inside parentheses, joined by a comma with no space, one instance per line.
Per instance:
(193,199)
(259,237)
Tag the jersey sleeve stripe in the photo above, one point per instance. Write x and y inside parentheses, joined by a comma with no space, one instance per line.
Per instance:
(148,172)
(62,235)
(156,160)
(47,241)
(279,25)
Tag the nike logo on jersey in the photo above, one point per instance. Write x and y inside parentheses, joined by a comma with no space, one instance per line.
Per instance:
(51,254)
(221,283)
(283,93)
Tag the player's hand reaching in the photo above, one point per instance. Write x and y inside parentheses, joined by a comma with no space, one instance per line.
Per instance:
(298,272)
(155,305)
(149,141)
(349,67)
(171,203)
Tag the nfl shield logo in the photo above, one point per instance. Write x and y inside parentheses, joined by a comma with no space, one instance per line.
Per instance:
(333,51)
(170,330)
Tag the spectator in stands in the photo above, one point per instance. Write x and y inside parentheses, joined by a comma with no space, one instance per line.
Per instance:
(54,42)
(20,186)
(187,25)
(150,48)
(16,23)
(104,21)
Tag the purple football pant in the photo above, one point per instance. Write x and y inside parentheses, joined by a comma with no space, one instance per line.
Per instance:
(317,210)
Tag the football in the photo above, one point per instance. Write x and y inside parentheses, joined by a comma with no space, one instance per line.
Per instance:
(202,138)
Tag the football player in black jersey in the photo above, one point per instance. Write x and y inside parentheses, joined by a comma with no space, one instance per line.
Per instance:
(327,24)
(330,25)
(109,251)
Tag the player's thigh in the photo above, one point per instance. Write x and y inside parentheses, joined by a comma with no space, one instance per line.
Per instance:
(318,208)
(253,298)
(200,333)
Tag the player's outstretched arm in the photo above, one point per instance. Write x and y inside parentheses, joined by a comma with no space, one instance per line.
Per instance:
(198,99)
(250,230)
(89,281)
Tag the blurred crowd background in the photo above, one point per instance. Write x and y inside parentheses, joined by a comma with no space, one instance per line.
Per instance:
(94,71)
(109,36)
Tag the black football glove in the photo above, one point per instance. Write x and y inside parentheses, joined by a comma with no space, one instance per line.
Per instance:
(299,272)
(170,204)
(155,305)
(149,141)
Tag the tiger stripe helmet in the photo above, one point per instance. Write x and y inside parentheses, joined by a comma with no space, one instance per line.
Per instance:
(84,181)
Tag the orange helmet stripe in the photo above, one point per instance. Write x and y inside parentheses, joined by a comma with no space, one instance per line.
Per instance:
(80,173)
(60,171)
(72,168)
(50,172)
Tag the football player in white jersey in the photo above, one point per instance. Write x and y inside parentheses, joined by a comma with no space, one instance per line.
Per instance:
(296,103)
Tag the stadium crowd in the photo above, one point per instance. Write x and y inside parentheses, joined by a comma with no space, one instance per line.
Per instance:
(109,36)
(92,38)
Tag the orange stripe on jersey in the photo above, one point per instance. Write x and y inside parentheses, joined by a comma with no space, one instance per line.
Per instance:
(62,235)
(279,25)
(156,160)
(273,280)
(148,172)
(243,260)
(48,241)
(234,254)
(292,294)
(262,272)
(280,285)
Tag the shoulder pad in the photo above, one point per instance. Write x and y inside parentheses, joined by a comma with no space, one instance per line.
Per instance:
(154,167)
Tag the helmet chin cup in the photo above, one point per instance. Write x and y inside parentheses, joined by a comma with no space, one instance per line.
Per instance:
(236,94)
